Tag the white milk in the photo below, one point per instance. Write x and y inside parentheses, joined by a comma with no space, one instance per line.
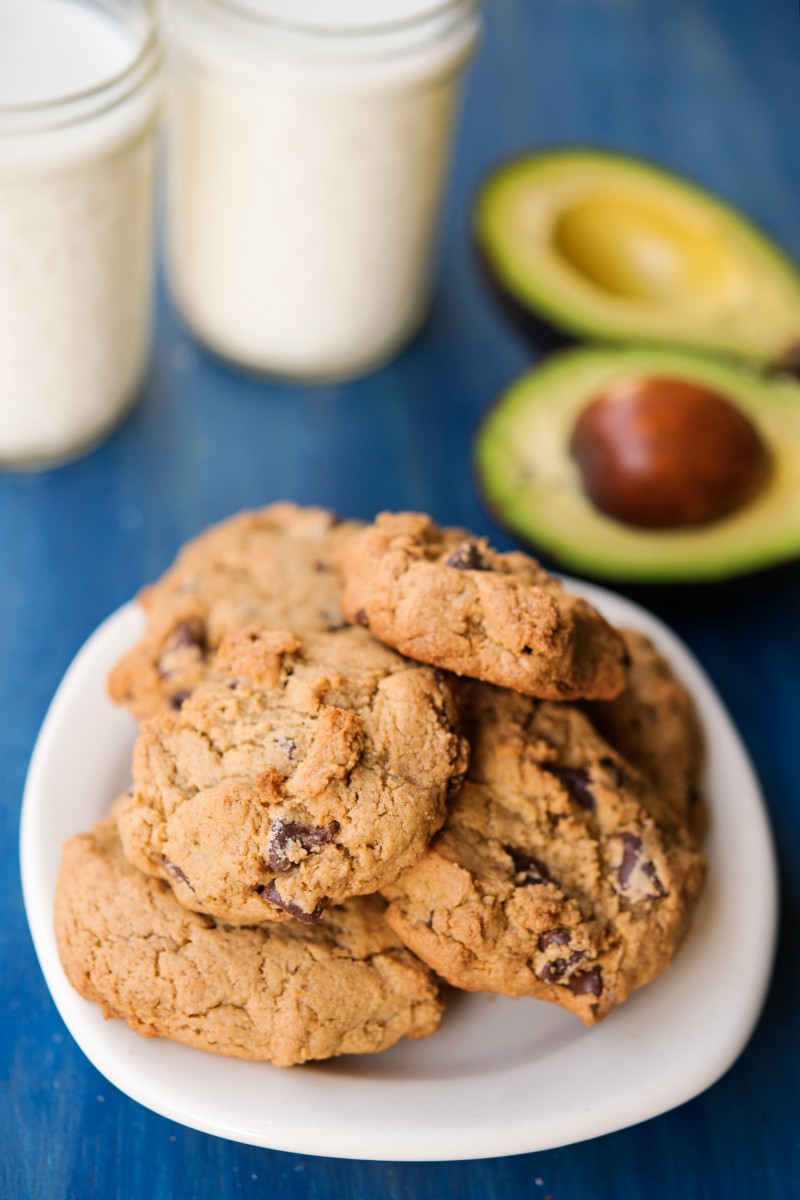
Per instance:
(307,163)
(78,98)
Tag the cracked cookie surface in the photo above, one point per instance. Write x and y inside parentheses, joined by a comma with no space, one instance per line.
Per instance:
(305,769)
(271,566)
(282,993)
(445,597)
(559,873)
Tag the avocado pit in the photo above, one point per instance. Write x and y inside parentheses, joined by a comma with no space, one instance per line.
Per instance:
(664,453)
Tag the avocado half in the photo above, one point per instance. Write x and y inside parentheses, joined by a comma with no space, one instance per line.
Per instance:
(534,487)
(593,244)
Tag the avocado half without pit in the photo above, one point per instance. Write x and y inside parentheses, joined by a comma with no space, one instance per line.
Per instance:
(590,244)
(647,465)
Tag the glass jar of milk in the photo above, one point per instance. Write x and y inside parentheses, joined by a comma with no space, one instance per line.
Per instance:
(308,152)
(78,102)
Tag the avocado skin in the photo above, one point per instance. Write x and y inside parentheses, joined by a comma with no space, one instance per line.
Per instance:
(535,329)
(789,363)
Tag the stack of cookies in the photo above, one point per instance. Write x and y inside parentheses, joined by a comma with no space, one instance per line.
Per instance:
(373,757)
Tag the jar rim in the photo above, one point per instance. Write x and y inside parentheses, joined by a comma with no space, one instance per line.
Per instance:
(107,93)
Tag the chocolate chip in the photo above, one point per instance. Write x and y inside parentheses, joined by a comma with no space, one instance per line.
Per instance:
(306,836)
(632,860)
(191,632)
(554,970)
(454,785)
(576,782)
(630,856)
(332,619)
(466,557)
(614,770)
(554,937)
(322,567)
(551,972)
(175,871)
(650,872)
(188,634)
(532,870)
(361,618)
(288,746)
(270,892)
(586,983)
(177,699)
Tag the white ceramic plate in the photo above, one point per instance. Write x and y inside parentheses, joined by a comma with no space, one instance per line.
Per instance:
(502,1076)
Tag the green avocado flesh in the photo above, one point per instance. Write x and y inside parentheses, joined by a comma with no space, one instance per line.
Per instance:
(596,245)
(533,485)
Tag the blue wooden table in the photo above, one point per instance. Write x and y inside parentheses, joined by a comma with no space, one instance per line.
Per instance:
(711,87)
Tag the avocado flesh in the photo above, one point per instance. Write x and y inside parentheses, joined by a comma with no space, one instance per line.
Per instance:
(607,247)
(534,486)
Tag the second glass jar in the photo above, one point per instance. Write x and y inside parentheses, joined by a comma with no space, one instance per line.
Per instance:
(309,151)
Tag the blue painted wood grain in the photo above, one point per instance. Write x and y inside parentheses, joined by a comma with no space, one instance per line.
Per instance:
(711,87)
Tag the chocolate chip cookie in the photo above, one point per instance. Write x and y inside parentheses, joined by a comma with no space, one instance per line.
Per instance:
(272,566)
(303,770)
(445,597)
(560,873)
(654,724)
(284,993)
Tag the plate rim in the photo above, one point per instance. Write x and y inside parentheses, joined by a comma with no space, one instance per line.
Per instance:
(386,1142)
